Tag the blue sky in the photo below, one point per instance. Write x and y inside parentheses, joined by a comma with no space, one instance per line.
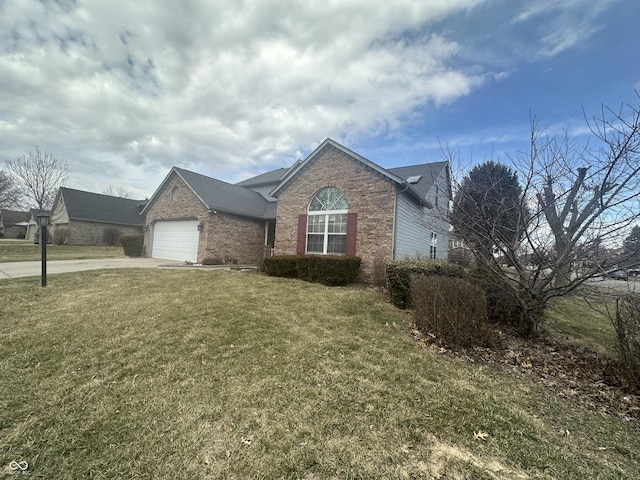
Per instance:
(124,90)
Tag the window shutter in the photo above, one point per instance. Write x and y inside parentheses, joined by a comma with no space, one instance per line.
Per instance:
(352,228)
(302,234)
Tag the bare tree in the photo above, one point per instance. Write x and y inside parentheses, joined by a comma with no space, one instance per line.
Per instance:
(39,175)
(580,199)
(121,192)
(9,194)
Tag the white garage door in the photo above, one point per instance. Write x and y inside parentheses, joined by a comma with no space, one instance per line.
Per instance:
(175,240)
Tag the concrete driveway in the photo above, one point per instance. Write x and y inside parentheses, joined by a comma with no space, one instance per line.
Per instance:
(32,269)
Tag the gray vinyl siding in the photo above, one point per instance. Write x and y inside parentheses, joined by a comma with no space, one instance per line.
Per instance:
(414,225)
(438,214)
(412,233)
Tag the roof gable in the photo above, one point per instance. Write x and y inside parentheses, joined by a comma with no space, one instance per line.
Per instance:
(97,207)
(220,196)
(428,172)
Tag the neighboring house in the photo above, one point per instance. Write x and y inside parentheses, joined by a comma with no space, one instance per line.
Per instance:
(459,251)
(13,224)
(86,218)
(32,225)
(333,202)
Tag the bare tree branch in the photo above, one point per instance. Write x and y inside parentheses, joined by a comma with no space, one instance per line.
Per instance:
(39,175)
(10,195)
(581,200)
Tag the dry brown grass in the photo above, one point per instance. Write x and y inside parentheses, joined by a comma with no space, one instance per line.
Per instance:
(209,374)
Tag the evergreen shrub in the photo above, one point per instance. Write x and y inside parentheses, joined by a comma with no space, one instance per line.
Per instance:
(132,244)
(329,270)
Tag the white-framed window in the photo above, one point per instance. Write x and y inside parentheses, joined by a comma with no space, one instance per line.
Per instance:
(327,222)
(434,245)
(457,243)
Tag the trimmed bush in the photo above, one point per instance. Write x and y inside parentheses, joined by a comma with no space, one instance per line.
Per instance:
(399,274)
(110,236)
(281,266)
(329,270)
(452,309)
(627,326)
(132,244)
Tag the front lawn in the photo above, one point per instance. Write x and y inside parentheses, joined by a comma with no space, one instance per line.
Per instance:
(210,374)
(24,252)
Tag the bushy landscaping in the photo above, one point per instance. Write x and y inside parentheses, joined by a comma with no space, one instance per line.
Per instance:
(329,270)
(132,244)
(400,272)
(216,374)
(451,309)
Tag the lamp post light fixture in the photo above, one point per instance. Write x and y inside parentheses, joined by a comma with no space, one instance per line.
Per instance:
(43,221)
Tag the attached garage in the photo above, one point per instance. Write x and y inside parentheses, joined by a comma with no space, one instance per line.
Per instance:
(175,240)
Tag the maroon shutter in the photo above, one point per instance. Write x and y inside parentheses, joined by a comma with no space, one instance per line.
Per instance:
(302,234)
(352,228)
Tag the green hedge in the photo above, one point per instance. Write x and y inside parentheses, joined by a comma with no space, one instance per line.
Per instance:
(325,269)
(399,274)
(132,244)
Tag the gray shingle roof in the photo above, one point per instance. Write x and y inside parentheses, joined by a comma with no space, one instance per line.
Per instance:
(11,217)
(97,207)
(428,173)
(268,178)
(223,196)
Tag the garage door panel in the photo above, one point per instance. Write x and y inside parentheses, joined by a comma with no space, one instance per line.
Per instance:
(175,240)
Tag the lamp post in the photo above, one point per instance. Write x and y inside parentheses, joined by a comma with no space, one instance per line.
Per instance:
(43,221)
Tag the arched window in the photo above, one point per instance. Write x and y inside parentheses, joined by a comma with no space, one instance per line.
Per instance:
(327,222)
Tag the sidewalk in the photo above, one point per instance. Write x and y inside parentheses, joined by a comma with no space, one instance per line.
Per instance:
(32,269)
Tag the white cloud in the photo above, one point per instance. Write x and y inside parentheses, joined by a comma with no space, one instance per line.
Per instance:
(222,83)
(122,88)
(563,24)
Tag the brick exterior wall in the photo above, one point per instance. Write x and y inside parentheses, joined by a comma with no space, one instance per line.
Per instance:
(92,233)
(368,194)
(223,235)
(234,237)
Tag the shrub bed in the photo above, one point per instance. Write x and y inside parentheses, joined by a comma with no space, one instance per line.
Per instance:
(111,236)
(452,309)
(61,236)
(399,274)
(325,269)
(132,244)
(627,326)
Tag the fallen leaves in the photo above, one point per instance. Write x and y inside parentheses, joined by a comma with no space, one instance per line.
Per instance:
(480,435)
(573,373)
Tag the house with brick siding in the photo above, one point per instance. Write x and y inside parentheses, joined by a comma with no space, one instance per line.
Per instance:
(87,218)
(333,202)
(13,224)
